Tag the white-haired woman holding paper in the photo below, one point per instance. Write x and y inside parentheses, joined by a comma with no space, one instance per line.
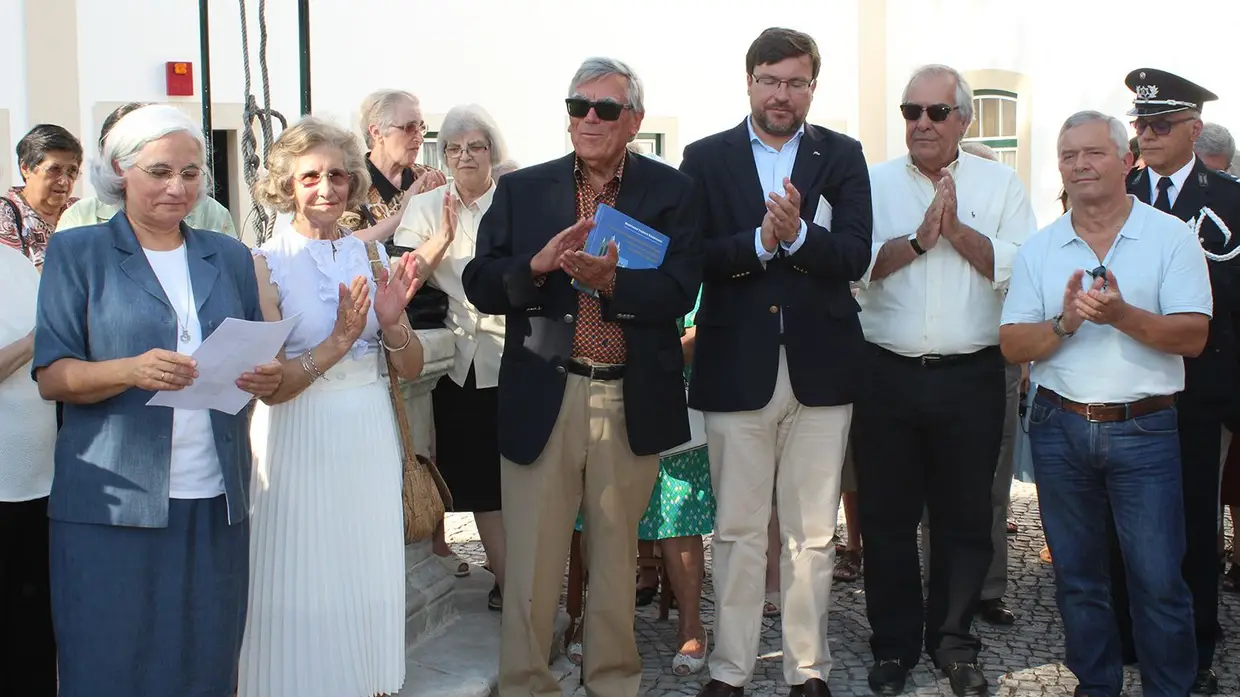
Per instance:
(327,590)
(149,530)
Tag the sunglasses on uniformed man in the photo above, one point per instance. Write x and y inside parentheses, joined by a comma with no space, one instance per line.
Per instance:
(606,109)
(1161,127)
(937,112)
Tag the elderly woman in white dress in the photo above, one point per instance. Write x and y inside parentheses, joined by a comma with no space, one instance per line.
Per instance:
(327,586)
(442,225)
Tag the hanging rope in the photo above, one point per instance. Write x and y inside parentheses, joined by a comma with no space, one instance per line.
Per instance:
(251,162)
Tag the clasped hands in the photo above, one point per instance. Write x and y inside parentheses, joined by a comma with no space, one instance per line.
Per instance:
(1101,302)
(782,222)
(940,219)
(564,252)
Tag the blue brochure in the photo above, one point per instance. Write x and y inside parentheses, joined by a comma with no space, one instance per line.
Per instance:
(639,246)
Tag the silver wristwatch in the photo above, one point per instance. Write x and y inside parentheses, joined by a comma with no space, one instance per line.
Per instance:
(1057,326)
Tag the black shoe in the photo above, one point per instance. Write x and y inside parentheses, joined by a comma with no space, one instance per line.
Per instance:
(996,612)
(887,677)
(495,599)
(1206,683)
(718,688)
(966,679)
(812,688)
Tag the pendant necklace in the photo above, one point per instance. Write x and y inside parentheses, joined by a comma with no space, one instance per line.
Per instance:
(189,307)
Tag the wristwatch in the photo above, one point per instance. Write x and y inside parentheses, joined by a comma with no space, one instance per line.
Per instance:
(1057,327)
(912,240)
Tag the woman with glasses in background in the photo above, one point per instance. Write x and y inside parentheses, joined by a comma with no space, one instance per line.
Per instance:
(50,159)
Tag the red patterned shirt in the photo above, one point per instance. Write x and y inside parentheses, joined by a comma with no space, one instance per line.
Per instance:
(30,237)
(595,339)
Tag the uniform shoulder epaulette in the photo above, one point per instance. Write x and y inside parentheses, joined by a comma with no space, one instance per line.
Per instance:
(1227,176)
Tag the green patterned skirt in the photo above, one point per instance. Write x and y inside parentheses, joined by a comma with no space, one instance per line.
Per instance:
(682,503)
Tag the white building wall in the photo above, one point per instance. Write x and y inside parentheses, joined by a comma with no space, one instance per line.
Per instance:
(12,87)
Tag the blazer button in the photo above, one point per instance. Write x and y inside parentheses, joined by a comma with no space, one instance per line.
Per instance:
(561,369)
(569,319)
(774,309)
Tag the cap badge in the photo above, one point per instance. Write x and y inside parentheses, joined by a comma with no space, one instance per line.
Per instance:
(1147,91)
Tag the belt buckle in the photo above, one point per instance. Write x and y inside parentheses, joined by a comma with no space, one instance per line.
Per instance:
(1089,411)
(929,359)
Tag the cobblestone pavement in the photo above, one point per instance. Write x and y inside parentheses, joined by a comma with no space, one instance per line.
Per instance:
(1024,659)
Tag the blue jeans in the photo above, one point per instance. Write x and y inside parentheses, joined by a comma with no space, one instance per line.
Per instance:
(1091,476)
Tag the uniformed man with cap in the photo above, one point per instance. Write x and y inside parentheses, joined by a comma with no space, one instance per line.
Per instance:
(1167,111)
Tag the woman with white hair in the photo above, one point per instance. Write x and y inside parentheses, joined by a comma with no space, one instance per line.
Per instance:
(394,131)
(442,226)
(148,507)
(327,594)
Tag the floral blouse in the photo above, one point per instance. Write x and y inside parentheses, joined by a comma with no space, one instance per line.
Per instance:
(383,200)
(30,237)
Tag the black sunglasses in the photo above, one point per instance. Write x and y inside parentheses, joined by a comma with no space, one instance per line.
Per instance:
(936,112)
(607,110)
(1161,127)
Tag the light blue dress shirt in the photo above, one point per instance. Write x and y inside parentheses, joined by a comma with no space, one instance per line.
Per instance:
(773,167)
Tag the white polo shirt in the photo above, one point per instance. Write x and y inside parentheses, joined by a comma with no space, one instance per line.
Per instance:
(1159,267)
(939,303)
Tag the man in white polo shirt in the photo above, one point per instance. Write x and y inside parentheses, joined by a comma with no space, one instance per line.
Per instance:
(929,418)
(1106,301)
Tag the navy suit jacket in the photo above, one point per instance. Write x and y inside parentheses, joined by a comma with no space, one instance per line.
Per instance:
(531,206)
(99,300)
(736,356)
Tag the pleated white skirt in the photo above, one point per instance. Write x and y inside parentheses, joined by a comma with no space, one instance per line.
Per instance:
(327,577)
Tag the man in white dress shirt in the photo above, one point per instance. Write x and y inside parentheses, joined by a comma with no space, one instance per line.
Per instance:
(928,422)
(1106,302)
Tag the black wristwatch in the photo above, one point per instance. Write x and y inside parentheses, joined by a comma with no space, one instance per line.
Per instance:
(912,240)
(1057,327)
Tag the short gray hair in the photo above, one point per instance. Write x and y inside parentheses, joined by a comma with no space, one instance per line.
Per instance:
(505,167)
(964,93)
(598,68)
(1119,133)
(979,149)
(377,110)
(464,119)
(126,140)
(1215,140)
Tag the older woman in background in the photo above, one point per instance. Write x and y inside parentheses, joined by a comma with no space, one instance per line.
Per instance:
(393,129)
(27,436)
(327,594)
(207,214)
(50,159)
(442,225)
(148,505)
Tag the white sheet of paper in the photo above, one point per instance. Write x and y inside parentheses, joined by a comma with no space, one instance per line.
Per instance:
(822,215)
(235,347)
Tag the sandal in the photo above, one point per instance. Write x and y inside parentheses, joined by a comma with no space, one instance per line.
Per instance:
(495,599)
(848,566)
(684,664)
(1045,555)
(770,607)
(455,565)
(575,647)
(1012,528)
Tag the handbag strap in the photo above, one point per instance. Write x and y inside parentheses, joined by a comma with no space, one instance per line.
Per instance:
(398,402)
(20,225)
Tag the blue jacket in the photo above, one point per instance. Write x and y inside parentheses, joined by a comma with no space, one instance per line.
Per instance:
(100,300)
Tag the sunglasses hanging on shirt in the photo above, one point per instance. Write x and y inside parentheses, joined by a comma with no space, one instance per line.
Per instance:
(606,110)
(936,112)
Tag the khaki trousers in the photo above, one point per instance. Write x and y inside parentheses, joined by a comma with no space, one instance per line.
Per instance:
(797,452)
(586,463)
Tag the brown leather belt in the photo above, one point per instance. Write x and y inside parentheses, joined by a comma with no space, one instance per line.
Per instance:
(1098,412)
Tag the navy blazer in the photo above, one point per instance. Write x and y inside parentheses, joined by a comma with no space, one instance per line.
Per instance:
(531,206)
(100,300)
(800,301)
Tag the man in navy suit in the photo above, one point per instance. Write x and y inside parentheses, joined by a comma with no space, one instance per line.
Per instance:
(786,218)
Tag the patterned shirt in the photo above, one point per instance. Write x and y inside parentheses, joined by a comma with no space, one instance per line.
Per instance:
(31,239)
(383,200)
(595,339)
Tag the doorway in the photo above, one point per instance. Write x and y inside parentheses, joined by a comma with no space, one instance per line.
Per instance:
(222,146)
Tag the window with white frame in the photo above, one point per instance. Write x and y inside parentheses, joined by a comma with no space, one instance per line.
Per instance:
(994,123)
(429,154)
(648,144)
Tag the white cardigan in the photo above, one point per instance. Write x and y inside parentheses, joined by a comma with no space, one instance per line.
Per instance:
(28,425)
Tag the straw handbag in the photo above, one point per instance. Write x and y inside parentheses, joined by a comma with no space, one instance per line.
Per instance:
(424,493)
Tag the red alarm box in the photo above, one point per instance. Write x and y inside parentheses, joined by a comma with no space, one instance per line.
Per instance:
(180,78)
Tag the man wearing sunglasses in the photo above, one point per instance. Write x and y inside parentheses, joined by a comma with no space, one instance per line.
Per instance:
(591,386)
(1167,111)
(785,207)
(930,413)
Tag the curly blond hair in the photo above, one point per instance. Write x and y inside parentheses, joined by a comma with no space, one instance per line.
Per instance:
(275,188)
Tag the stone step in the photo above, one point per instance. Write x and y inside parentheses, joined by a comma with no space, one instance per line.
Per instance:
(461,657)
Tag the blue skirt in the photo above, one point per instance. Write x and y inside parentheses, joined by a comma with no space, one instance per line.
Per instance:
(151,612)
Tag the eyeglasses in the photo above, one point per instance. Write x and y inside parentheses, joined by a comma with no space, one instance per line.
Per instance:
(166,174)
(412,128)
(1161,127)
(335,177)
(57,171)
(607,110)
(475,150)
(937,112)
(796,84)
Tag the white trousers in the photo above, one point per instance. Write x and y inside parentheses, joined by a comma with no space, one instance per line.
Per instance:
(797,452)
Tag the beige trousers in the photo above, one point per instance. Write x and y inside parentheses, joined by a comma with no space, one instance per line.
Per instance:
(797,452)
(586,463)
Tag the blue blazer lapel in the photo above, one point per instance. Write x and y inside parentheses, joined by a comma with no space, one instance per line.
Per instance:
(135,265)
(200,255)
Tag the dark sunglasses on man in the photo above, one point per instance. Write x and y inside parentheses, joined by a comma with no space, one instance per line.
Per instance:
(607,110)
(937,112)
(1161,127)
